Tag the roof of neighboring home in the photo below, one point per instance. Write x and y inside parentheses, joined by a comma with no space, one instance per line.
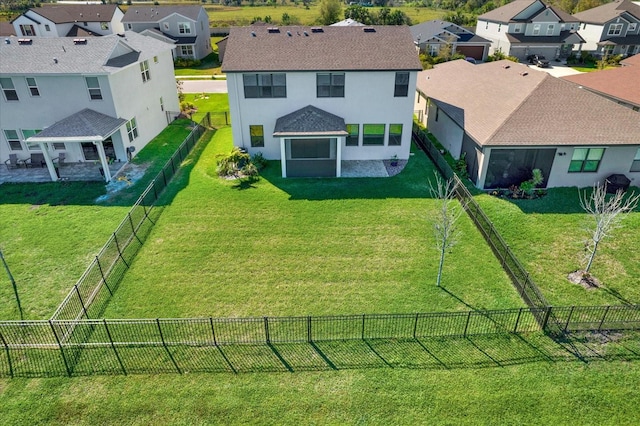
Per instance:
(62,55)
(426,30)
(77,31)
(608,11)
(81,126)
(565,37)
(6,29)
(632,60)
(505,104)
(310,121)
(301,48)
(347,23)
(509,11)
(622,83)
(65,13)
(158,13)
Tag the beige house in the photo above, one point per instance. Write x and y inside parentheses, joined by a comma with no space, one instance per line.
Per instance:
(508,119)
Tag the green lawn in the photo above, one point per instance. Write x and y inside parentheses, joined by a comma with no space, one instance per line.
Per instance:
(548,237)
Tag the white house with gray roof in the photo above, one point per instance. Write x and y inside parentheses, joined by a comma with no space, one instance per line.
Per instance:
(69,20)
(95,99)
(508,119)
(316,97)
(186,26)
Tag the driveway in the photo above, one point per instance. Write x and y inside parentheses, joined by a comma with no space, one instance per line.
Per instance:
(556,69)
(204,86)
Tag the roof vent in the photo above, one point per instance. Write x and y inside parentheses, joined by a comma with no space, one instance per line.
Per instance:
(317,30)
(79,41)
(524,73)
(273,30)
(306,34)
(7,41)
(506,67)
(369,30)
(24,41)
(55,60)
(121,35)
(289,33)
(253,33)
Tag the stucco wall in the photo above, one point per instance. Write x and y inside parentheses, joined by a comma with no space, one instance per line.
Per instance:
(448,133)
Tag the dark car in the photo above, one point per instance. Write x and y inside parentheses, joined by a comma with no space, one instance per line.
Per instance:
(538,60)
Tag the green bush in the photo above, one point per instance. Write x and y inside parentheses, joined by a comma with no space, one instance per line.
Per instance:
(186,63)
(259,161)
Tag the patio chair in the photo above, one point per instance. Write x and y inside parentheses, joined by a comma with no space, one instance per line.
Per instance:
(36,160)
(59,160)
(13,162)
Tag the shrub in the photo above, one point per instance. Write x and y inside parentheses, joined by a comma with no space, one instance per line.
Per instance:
(461,166)
(259,161)
(186,63)
(232,163)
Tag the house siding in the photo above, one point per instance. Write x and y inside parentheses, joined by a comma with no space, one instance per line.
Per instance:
(448,133)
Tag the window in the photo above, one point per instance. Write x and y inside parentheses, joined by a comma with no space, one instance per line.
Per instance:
(129,26)
(184,28)
(104,25)
(85,24)
(536,29)
(165,25)
(27,30)
(354,134)
(632,27)
(144,70)
(635,164)
(265,85)
(550,29)
(437,113)
(517,28)
(330,85)
(132,129)
(395,134)
(257,135)
(94,88)
(31,146)
(161,104)
(59,146)
(186,50)
(373,134)
(402,84)
(586,159)
(13,140)
(615,29)
(33,87)
(46,27)
(8,89)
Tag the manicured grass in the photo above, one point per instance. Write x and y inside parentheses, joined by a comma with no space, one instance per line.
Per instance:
(216,103)
(548,236)
(304,247)
(209,65)
(50,232)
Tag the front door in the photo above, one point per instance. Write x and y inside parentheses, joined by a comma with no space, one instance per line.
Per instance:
(90,151)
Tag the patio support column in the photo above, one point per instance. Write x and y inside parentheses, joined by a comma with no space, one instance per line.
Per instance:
(283,157)
(339,155)
(103,161)
(49,161)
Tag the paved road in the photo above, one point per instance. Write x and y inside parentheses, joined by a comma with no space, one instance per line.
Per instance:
(204,86)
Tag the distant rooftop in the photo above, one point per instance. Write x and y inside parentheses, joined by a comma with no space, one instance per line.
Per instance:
(65,13)
(157,13)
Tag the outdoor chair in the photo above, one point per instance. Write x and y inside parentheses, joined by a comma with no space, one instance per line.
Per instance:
(36,160)
(13,162)
(59,160)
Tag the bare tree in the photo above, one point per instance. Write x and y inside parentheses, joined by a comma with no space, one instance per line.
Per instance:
(606,213)
(444,222)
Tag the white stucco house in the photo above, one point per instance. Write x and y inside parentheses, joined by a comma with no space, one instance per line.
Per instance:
(69,20)
(96,99)
(612,28)
(527,27)
(508,119)
(186,26)
(315,97)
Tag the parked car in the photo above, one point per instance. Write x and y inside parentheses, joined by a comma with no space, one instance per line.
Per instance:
(471,60)
(538,60)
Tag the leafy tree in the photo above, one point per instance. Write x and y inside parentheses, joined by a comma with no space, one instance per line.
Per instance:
(330,11)
(358,13)
(398,17)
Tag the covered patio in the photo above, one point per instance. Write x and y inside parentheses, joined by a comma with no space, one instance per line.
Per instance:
(86,171)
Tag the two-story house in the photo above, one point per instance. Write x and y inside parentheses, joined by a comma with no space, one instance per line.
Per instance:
(526,27)
(317,97)
(432,36)
(69,20)
(97,99)
(611,29)
(186,26)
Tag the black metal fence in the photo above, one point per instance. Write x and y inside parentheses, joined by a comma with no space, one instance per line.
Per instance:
(89,296)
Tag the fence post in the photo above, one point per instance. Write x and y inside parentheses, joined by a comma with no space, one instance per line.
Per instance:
(6,347)
(166,348)
(569,318)
(309,337)
(546,317)
(415,326)
(104,280)
(113,345)
(606,311)
(363,318)
(515,329)
(266,330)
(155,193)
(133,229)
(84,308)
(64,358)
(466,326)
(213,332)
(115,238)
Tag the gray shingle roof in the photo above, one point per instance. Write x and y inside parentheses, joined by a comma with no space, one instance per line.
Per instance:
(509,11)
(500,106)
(82,126)
(65,13)
(92,57)
(565,37)
(310,121)
(429,29)
(301,48)
(158,13)
(608,11)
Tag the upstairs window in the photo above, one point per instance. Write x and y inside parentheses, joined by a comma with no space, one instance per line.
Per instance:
(184,28)
(330,85)
(144,70)
(586,160)
(517,28)
(536,29)
(8,89)
(93,85)
(27,30)
(13,140)
(615,29)
(402,84)
(132,129)
(265,85)
(46,27)
(33,87)
(632,27)
(550,29)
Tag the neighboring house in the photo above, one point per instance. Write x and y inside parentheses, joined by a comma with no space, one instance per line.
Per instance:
(186,26)
(348,23)
(621,85)
(526,27)
(508,119)
(631,61)
(313,97)
(94,99)
(611,29)
(6,29)
(432,36)
(69,20)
